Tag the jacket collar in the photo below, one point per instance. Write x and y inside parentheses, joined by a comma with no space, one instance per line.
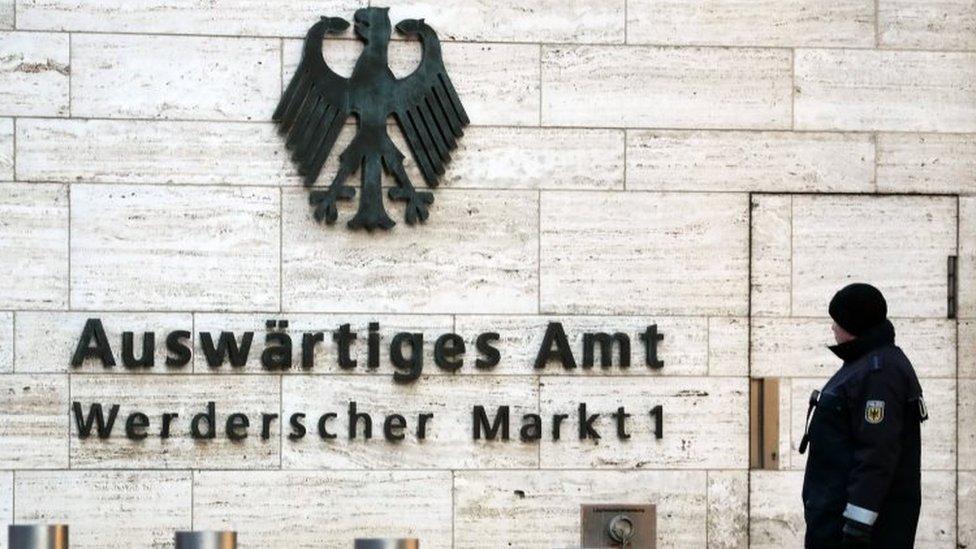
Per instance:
(880,335)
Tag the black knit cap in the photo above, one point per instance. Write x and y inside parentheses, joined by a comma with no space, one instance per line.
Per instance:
(858,307)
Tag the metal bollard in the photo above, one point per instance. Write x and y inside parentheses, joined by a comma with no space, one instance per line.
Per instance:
(377,543)
(37,536)
(206,540)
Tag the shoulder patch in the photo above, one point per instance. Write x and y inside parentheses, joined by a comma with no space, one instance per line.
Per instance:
(874,411)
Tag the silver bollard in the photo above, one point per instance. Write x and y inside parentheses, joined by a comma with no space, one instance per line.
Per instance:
(377,543)
(37,536)
(206,540)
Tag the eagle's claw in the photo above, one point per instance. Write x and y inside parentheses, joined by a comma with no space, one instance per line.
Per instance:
(417,202)
(325,202)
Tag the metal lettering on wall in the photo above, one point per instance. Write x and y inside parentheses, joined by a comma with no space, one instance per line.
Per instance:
(424,104)
(491,421)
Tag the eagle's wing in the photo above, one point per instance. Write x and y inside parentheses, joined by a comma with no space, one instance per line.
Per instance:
(315,104)
(427,108)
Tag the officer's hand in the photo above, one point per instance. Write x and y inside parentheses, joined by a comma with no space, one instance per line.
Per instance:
(856,535)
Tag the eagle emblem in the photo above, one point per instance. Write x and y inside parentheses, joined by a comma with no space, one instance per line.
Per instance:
(874,411)
(317,103)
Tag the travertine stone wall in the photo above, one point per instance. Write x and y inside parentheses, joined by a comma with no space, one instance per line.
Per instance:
(714,167)
(804,246)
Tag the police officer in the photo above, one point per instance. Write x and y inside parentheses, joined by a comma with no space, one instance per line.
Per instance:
(862,482)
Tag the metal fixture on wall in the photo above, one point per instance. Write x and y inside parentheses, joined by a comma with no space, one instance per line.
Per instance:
(317,102)
(764,423)
(37,536)
(206,540)
(618,525)
(952,286)
(379,543)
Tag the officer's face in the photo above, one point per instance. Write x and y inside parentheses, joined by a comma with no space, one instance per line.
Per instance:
(840,334)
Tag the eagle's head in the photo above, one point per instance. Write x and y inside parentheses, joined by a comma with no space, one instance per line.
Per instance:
(372,24)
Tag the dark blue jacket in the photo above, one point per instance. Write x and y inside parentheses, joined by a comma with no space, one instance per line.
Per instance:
(865,449)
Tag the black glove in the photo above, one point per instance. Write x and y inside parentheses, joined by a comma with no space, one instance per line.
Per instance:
(856,535)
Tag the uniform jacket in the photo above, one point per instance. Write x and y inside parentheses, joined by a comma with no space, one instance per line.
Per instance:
(865,453)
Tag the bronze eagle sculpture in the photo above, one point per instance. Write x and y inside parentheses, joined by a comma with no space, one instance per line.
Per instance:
(317,102)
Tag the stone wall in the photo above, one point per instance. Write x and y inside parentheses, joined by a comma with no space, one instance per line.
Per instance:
(717,168)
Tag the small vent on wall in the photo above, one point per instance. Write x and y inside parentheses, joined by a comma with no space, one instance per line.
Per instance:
(764,423)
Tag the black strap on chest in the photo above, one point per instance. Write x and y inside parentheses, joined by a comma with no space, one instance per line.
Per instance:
(805,441)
